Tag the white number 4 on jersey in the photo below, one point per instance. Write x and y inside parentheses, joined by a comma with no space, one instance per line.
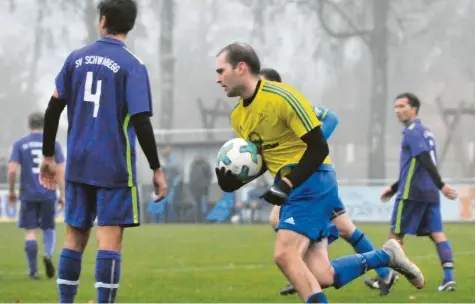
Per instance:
(90,97)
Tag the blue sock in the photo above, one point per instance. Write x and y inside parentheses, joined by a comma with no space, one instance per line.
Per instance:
(31,250)
(69,270)
(318,297)
(446,258)
(362,244)
(350,267)
(108,273)
(49,242)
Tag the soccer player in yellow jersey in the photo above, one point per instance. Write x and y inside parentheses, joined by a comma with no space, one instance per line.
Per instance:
(341,223)
(280,121)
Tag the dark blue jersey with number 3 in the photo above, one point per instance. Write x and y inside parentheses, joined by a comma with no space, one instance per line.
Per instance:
(103,84)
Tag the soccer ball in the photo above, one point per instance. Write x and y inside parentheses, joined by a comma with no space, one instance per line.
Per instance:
(241,157)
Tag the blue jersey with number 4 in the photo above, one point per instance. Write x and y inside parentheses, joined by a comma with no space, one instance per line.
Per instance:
(415,182)
(103,84)
(27,152)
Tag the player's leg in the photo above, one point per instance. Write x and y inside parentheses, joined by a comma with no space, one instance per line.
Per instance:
(47,225)
(288,255)
(80,212)
(274,217)
(343,270)
(117,208)
(29,220)
(433,224)
(361,244)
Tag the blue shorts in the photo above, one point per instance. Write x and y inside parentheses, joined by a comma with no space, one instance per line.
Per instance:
(37,214)
(112,206)
(416,218)
(333,234)
(309,208)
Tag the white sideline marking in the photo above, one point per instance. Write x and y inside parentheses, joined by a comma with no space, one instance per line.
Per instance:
(231,266)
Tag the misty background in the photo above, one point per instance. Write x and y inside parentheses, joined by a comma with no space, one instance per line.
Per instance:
(351,56)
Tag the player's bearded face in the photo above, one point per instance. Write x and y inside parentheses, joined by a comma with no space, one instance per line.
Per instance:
(229,77)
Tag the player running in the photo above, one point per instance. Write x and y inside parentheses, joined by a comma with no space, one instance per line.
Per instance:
(38,205)
(107,93)
(280,121)
(341,223)
(417,205)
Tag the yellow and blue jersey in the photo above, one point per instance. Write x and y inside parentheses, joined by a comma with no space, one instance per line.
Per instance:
(275,121)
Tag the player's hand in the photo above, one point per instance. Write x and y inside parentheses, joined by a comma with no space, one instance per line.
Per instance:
(278,193)
(61,202)
(160,186)
(449,192)
(227,181)
(48,173)
(386,194)
(12,198)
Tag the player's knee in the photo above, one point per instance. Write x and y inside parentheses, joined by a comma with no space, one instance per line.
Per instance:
(326,279)
(283,256)
(344,225)
(438,237)
(76,238)
(109,238)
(30,235)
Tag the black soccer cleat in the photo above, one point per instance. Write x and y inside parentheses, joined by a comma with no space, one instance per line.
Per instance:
(34,276)
(49,267)
(288,290)
(386,285)
(372,283)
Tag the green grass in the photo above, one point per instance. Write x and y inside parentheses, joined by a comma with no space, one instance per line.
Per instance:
(224,263)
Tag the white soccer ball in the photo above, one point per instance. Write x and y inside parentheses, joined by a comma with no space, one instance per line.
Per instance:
(241,157)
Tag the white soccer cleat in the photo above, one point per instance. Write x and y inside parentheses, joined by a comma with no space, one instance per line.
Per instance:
(399,262)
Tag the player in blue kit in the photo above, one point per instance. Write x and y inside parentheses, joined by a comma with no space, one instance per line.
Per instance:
(38,205)
(417,205)
(107,94)
(341,223)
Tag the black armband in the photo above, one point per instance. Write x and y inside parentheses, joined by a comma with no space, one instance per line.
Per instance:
(425,160)
(146,138)
(316,152)
(50,128)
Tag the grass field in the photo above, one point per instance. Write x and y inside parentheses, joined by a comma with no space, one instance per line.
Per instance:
(225,263)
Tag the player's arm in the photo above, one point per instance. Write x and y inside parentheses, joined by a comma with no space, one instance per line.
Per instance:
(60,169)
(146,138)
(12,175)
(53,112)
(421,151)
(328,119)
(13,164)
(298,115)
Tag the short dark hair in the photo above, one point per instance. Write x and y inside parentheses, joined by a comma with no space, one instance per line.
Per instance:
(120,15)
(36,120)
(271,74)
(413,100)
(242,52)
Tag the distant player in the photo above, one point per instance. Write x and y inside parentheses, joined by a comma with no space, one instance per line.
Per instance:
(417,205)
(107,93)
(38,205)
(341,223)
(280,121)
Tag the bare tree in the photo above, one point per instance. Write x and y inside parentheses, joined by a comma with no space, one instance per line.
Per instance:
(376,40)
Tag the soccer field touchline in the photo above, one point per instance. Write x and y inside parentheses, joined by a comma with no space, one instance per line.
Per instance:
(232,266)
